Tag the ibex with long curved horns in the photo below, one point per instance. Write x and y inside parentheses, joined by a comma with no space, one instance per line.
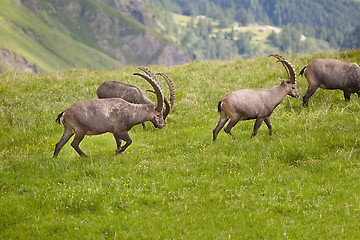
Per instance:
(246,104)
(114,115)
(130,93)
(331,74)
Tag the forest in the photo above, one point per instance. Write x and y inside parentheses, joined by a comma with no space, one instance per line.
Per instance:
(225,29)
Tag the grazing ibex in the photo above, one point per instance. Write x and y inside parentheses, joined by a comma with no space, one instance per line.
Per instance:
(130,93)
(246,104)
(331,74)
(114,115)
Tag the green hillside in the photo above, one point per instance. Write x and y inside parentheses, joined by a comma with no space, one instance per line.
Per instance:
(44,44)
(175,183)
(84,34)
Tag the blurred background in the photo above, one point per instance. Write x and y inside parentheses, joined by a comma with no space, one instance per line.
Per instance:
(51,35)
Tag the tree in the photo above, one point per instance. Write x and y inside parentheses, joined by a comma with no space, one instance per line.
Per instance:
(353,41)
(274,39)
(290,39)
(244,43)
(243,17)
(204,28)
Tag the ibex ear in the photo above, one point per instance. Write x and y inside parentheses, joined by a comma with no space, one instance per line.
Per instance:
(284,82)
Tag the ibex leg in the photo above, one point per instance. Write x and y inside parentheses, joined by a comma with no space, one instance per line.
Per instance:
(310,91)
(219,126)
(257,124)
(123,136)
(63,140)
(268,124)
(347,96)
(75,143)
(118,140)
(232,123)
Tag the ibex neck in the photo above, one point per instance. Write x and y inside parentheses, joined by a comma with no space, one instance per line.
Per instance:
(141,113)
(278,93)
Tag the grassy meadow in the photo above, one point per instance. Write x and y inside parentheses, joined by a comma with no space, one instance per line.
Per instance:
(175,183)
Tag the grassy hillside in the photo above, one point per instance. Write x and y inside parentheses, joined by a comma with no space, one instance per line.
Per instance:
(175,183)
(81,34)
(45,44)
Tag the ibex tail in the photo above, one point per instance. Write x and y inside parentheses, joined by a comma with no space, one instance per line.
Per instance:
(58,117)
(302,71)
(219,106)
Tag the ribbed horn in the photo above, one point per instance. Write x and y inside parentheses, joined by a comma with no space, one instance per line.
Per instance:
(170,83)
(167,105)
(157,88)
(149,73)
(290,70)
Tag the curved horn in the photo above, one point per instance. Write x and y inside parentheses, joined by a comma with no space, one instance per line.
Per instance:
(167,108)
(167,105)
(149,73)
(170,83)
(290,70)
(278,56)
(279,59)
(159,94)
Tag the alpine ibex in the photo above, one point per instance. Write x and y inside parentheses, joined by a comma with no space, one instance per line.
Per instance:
(130,93)
(114,115)
(246,104)
(331,74)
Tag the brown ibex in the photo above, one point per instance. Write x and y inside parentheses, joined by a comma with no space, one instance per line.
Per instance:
(114,115)
(246,104)
(130,93)
(331,74)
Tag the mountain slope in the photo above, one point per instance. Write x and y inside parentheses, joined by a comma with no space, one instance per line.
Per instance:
(36,42)
(48,35)
(56,35)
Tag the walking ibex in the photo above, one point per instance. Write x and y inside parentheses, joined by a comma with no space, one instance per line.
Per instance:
(246,104)
(331,74)
(130,93)
(114,115)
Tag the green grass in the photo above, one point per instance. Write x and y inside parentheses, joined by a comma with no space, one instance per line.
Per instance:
(175,183)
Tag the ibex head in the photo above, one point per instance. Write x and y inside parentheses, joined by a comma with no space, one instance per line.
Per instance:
(293,91)
(158,116)
(170,83)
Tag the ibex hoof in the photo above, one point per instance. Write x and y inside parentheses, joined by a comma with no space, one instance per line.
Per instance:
(118,151)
